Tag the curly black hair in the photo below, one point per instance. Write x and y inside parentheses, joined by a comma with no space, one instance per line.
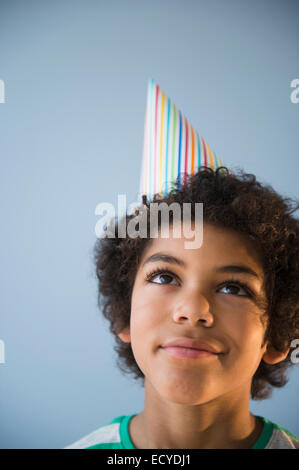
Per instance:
(233,200)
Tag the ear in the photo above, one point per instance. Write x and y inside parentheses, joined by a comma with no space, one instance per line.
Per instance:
(125,335)
(272,356)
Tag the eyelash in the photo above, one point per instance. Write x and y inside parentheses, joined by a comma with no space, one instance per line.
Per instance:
(159,271)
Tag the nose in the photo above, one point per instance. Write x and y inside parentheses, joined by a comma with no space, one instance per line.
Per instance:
(193,308)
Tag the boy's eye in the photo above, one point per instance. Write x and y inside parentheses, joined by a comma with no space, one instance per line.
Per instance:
(167,278)
(235,287)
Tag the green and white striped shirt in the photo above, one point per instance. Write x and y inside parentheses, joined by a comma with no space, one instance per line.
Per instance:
(115,435)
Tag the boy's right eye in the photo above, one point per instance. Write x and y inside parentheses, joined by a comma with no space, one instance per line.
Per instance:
(168,278)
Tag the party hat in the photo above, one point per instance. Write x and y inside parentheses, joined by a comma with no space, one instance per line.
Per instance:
(172,148)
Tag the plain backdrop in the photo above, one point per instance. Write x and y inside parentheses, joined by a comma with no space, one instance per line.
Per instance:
(71,134)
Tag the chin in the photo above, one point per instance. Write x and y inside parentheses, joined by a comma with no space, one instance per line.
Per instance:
(184,395)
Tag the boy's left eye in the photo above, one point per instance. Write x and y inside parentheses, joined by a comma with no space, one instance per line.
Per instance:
(236,287)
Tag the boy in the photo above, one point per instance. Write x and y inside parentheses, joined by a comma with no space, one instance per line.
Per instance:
(206,328)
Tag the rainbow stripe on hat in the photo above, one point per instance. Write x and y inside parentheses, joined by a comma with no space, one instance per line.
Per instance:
(172,148)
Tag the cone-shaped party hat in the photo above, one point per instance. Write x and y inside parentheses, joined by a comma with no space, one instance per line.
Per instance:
(171,146)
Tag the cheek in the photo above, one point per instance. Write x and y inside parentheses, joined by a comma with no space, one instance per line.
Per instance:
(146,313)
(147,316)
(245,334)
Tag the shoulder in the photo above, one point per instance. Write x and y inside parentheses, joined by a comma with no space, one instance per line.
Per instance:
(276,436)
(283,439)
(105,437)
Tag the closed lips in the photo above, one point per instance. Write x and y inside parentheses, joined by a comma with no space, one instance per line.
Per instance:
(191,343)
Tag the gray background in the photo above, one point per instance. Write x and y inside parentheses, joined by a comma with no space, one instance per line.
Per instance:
(71,133)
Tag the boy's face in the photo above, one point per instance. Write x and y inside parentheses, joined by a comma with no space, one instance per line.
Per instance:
(191,298)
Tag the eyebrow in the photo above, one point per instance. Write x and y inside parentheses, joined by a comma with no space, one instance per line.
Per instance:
(233,268)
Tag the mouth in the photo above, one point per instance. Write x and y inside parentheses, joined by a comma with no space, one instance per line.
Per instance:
(193,348)
(185,352)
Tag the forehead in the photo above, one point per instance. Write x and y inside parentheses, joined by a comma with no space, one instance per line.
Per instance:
(219,246)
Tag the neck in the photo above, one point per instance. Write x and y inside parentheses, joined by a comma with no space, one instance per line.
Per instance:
(222,423)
